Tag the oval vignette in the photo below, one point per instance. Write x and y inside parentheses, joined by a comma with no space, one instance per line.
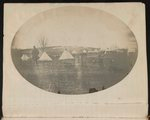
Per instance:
(74,50)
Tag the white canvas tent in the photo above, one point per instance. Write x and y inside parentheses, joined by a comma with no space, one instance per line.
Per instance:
(45,57)
(66,55)
(84,51)
(74,52)
(24,57)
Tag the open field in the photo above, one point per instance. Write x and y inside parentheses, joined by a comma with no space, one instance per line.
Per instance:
(65,77)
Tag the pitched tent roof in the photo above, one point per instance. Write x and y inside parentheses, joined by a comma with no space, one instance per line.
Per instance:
(66,55)
(84,51)
(74,52)
(24,57)
(45,57)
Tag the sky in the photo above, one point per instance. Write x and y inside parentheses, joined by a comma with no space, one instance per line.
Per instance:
(75,26)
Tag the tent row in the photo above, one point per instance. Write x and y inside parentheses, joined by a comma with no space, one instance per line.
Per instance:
(65,55)
(44,57)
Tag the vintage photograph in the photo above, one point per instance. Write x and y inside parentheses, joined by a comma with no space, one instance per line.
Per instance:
(74,50)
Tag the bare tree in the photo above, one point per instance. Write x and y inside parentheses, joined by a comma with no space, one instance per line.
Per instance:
(43,43)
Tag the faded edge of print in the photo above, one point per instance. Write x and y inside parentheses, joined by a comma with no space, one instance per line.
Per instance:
(74,50)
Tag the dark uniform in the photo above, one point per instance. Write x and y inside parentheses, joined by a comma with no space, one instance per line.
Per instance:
(35,54)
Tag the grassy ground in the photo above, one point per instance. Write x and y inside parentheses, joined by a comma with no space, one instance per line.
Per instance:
(68,78)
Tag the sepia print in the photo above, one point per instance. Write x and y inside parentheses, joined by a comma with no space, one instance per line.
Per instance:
(74,50)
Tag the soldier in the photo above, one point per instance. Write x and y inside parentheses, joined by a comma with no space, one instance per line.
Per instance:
(35,54)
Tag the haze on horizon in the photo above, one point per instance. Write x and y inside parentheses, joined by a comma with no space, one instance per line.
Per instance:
(75,26)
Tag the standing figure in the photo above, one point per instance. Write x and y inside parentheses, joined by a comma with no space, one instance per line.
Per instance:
(35,54)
